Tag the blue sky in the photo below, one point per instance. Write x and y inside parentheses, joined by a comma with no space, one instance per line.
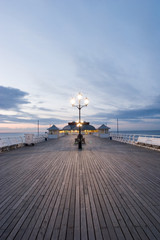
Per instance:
(51,50)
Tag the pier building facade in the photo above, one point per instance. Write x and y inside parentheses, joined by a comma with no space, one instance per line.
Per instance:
(71,128)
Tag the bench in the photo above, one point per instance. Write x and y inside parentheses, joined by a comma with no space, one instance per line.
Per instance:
(77,140)
(149,141)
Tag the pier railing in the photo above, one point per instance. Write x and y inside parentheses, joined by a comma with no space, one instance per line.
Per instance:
(15,142)
(142,139)
(10,143)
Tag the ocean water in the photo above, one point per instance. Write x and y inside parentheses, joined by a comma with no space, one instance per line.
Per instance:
(9,135)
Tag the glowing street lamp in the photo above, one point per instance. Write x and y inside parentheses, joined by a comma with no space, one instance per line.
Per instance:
(79,106)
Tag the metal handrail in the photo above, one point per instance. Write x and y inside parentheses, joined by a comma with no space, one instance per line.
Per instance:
(131,138)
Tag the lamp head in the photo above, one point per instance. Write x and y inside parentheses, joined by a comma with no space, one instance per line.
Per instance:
(79,96)
(86,101)
(79,124)
(73,101)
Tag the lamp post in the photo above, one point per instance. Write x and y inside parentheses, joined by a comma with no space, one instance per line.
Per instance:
(79,124)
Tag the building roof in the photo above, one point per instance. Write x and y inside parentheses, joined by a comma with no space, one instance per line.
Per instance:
(88,127)
(72,126)
(103,127)
(85,127)
(53,128)
(67,127)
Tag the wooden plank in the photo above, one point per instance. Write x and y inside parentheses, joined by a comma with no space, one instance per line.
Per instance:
(104,209)
(77,229)
(35,221)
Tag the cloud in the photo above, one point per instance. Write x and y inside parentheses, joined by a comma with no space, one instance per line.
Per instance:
(42,108)
(23,117)
(138,114)
(135,115)
(12,98)
(149,112)
(107,80)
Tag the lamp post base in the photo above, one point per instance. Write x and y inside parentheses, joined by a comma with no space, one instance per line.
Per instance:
(80,141)
(80,145)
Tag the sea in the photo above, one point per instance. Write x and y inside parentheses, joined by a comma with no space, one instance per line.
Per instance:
(10,135)
(144,132)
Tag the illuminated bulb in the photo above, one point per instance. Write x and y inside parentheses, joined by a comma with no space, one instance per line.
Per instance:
(79,125)
(86,101)
(79,96)
(72,101)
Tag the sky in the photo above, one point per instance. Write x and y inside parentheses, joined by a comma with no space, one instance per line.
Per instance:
(50,50)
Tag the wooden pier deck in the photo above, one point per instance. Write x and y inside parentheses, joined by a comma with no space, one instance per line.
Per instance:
(109,190)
